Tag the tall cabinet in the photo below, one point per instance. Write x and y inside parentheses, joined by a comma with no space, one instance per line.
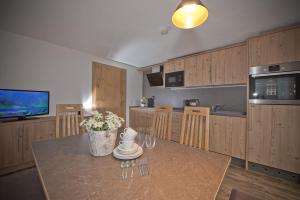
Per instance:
(274,130)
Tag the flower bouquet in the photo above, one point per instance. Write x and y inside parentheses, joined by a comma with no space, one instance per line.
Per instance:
(102,130)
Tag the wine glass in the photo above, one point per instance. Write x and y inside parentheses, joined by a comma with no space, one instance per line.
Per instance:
(150,139)
(140,138)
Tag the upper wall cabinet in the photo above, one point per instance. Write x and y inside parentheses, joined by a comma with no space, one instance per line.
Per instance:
(221,67)
(219,61)
(174,65)
(229,66)
(190,71)
(274,48)
(198,70)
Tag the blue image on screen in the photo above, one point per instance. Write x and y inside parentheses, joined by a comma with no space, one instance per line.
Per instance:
(15,103)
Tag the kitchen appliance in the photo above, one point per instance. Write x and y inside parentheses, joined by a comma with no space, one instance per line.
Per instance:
(156,77)
(216,107)
(192,102)
(151,102)
(275,84)
(174,79)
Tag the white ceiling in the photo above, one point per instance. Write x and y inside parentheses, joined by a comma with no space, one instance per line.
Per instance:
(128,31)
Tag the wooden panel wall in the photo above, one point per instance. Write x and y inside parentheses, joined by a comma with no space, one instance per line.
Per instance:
(109,89)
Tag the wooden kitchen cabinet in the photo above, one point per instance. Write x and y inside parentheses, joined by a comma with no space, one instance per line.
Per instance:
(218,67)
(274,138)
(174,65)
(260,123)
(16,139)
(229,66)
(176,126)
(226,66)
(275,48)
(204,69)
(219,135)
(236,69)
(168,67)
(238,137)
(178,64)
(228,135)
(36,131)
(198,70)
(190,72)
(10,145)
(132,117)
(141,117)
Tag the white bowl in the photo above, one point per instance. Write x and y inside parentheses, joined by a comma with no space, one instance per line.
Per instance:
(132,150)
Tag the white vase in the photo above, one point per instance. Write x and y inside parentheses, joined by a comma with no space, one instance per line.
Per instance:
(102,143)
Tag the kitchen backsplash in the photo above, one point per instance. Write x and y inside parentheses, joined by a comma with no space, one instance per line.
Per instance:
(233,98)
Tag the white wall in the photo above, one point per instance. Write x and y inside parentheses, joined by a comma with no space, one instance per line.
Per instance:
(27,63)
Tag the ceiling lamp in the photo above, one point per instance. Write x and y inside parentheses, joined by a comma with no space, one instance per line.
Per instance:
(189,14)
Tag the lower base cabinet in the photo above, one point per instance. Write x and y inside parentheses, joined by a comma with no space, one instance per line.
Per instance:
(16,139)
(274,136)
(228,135)
(141,117)
(176,126)
(10,145)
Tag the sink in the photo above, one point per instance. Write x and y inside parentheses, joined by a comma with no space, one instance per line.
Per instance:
(225,112)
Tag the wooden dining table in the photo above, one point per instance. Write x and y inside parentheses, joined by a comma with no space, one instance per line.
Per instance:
(67,170)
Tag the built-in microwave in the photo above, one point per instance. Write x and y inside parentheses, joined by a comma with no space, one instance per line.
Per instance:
(275,84)
(174,79)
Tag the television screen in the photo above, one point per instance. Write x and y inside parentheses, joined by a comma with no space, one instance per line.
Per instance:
(23,103)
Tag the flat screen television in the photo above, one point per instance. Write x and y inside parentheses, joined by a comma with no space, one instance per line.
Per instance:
(23,103)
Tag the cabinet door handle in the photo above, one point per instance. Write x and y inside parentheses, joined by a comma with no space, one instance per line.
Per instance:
(250,118)
(19,139)
(26,139)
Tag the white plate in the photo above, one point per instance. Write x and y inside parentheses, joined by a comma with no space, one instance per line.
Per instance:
(118,155)
(132,150)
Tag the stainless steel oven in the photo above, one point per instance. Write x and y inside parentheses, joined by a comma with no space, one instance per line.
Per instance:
(174,79)
(275,84)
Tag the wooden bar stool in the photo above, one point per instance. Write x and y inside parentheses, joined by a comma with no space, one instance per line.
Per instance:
(68,118)
(195,127)
(162,122)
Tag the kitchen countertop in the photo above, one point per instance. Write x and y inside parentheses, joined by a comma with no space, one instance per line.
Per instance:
(68,171)
(219,112)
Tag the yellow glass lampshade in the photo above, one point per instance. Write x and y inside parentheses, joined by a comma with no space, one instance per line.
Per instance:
(189,14)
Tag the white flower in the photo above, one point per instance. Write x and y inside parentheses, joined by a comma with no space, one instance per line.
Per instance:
(98,122)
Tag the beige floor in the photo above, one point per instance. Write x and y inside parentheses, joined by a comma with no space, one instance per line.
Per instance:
(258,185)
